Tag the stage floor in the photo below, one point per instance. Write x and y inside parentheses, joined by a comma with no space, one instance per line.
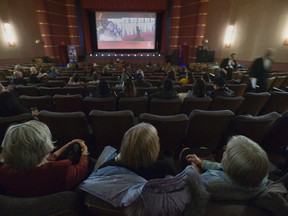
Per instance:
(129,57)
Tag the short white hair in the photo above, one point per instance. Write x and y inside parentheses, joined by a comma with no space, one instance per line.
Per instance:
(245,162)
(27,144)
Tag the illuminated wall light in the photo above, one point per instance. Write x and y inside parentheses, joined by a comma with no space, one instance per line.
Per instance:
(121,54)
(90,54)
(128,54)
(96,54)
(102,55)
(9,34)
(108,54)
(228,36)
(135,55)
(159,54)
(141,55)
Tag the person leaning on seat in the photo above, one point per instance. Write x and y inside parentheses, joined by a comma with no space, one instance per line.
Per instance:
(242,173)
(30,170)
(220,89)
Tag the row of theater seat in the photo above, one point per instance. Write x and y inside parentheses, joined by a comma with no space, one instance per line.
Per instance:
(202,128)
(251,103)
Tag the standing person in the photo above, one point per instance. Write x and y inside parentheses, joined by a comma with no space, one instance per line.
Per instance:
(242,173)
(228,65)
(259,71)
(30,170)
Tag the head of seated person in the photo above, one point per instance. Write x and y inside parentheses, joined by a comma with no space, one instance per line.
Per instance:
(245,162)
(220,89)
(103,90)
(198,89)
(27,145)
(140,146)
(129,89)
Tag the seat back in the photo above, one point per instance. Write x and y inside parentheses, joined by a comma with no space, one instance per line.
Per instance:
(50,90)
(229,103)
(105,104)
(5,122)
(171,129)
(137,105)
(109,127)
(279,80)
(56,83)
(207,128)
(253,103)
(73,90)
(62,203)
(27,90)
(68,103)
(238,89)
(278,101)
(147,91)
(190,104)
(66,126)
(165,106)
(41,102)
(253,127)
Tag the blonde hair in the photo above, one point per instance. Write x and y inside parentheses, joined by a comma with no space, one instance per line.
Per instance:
(140,146)
(26,145)
(245,162)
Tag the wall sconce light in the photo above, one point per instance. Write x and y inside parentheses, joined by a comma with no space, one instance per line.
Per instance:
(228,36)
(9,34)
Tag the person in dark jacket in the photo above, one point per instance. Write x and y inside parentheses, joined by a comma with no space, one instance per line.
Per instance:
(220,89)
(9,104)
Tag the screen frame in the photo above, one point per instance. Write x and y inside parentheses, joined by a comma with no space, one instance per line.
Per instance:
(93,34)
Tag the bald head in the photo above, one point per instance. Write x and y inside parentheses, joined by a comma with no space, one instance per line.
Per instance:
(269,53)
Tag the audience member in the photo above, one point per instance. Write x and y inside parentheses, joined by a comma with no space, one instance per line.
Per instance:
(75,80)
(53,72)
(95,78)
(171,74)
(139,153)
(198,89)
(228,65)
(103,90)
(30,170)
(242,173)
(35,76)
(140,81)
(220,89)
(129,90)
(259,71)
(18,78)
(167,91)
(9,104)
(189,79)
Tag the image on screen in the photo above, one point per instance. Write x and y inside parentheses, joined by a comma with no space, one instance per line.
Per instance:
(125,30)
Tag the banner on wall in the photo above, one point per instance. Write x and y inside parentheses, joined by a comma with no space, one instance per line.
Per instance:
(72,54)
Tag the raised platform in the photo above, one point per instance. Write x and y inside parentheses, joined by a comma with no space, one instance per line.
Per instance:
(129,57)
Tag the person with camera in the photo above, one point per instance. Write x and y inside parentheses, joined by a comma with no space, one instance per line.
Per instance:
(29,169)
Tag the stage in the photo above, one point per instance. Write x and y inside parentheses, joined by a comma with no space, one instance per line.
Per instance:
(143,57)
